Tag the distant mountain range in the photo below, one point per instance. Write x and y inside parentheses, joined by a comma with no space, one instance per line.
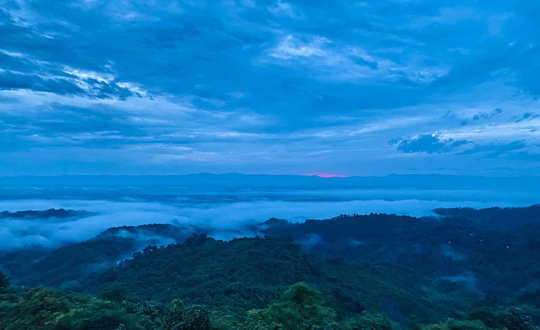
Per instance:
(421,181)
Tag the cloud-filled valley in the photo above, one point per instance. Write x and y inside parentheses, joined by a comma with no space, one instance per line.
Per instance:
(227,213)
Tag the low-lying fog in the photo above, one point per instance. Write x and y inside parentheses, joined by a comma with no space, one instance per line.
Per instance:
(227,210)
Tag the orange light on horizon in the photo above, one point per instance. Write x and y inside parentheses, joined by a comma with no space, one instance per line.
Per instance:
(325,175)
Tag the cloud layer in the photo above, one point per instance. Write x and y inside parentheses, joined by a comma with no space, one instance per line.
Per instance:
(266,86)
(228,219)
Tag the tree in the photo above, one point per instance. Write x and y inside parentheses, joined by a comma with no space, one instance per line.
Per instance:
(451,324)
(46,309)
(370,322)
(513,319)
(181,317)
(4,281)
(114,293)
(300,308)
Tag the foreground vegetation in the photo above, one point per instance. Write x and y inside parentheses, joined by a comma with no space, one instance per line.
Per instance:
(352,272)
(299,308)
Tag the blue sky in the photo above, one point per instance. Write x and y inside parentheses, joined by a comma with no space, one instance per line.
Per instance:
(277,87)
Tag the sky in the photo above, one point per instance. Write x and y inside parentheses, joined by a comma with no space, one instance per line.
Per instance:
(341,88)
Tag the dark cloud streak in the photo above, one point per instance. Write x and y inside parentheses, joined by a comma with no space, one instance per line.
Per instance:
(430,144)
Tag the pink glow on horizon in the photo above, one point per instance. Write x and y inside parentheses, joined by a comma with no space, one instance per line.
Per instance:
(326,175)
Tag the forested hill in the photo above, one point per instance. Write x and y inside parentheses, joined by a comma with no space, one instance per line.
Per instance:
(248,273)
(412,270)
(70,266)
(485,261)
(495,218)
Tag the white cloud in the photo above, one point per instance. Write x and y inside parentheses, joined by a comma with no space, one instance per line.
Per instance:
(292,48)
(284,9)
(350,63)
(16,234)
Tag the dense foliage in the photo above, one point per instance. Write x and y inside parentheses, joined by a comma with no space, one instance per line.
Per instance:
(249,273)
(449,252)
(495,218)
(465,270)
(69,267)
(299,308)
(48,309)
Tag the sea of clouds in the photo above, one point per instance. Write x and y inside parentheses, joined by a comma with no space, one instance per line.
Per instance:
(221,212)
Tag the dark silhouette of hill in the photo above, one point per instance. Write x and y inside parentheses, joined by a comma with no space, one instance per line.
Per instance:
(248,273)
(45,214)
(70,266)
(483,260)
(494,218)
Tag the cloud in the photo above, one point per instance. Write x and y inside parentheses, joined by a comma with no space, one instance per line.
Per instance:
(526,116)
(345,63)
(480,116)
(310,241)
(246,85)
(525,156)
(495,149)
(10,80)
(468,280)
(485,115)
(284,9)
(429,143)
(292,48)
(449,252)
(228,214)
